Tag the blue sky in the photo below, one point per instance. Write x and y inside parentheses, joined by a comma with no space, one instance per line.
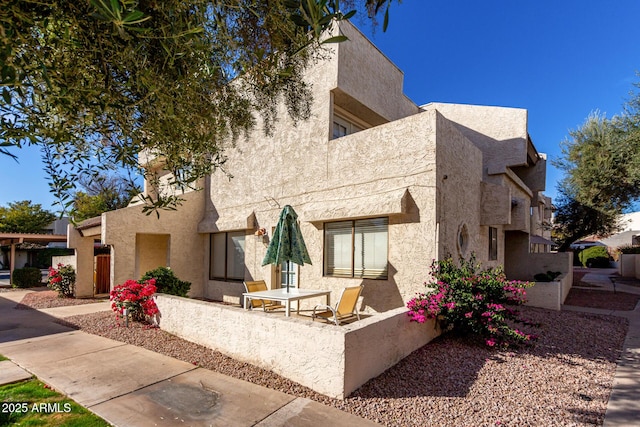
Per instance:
(558,59)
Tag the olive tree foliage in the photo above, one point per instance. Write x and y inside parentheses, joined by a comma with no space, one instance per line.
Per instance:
(24,217)
(574,220)
(601,161)
(101,194)
(95,82)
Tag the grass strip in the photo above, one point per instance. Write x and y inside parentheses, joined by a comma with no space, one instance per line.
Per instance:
(33,403)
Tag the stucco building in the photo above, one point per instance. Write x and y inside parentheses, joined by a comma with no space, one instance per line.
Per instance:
(382,186)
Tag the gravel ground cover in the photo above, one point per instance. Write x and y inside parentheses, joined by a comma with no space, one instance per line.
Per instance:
(564,380)
(46,298)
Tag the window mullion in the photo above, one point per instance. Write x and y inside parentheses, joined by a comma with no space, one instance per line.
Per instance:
(353,249)
(226,254)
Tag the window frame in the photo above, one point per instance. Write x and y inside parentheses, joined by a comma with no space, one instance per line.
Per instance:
(353,248)
(493,244)
(226,234)
(350,125)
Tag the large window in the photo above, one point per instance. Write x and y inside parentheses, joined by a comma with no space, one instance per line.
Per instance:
(493,243)
(356,248)
(226,256)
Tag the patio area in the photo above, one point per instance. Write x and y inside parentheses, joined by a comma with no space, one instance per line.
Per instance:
(303,314)
(329,359)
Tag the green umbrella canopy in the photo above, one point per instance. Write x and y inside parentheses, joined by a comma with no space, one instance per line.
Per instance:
(287,243)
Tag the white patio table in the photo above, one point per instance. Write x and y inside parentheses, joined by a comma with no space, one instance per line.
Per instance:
(294,294)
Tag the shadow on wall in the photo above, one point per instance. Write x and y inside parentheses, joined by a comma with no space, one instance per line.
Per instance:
(382,295)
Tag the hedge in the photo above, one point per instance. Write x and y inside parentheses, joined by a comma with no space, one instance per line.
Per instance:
(28,277)
(167,282)
(595,256)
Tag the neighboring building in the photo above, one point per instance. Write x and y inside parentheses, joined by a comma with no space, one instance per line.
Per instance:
(628,235)
(381,186)
(28,247)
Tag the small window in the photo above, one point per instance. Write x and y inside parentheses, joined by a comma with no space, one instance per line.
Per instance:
(356,248)
(493,243)
(339,130)
(226,256)
(343,127)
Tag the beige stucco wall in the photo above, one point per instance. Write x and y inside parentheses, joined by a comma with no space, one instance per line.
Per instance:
(368,76)
(332,360)
(459,177)
(535,177)
(152,251)
(388,170)
(84,265)
(64,260)
(521,265)
(627,265)
(495,204)
(500,132)
(395,170)
(520,209)
(121,229)
(550,295)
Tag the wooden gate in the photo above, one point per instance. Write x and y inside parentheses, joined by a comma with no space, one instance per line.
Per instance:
(103,270)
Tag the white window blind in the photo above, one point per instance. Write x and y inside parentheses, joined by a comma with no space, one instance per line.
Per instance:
(357,248)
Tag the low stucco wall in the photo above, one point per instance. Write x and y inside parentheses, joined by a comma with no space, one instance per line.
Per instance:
(65,260)
(526,266)
(628,265)
(332,360)
(550,295)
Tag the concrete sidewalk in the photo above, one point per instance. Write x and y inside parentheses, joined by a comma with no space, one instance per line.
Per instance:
(131,386)
(623,408)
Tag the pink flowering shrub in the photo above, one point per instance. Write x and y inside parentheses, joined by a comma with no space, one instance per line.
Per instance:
(468,300)
(136,298)
(62,280)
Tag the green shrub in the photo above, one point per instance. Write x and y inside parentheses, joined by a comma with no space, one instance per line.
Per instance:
(469,300)
(595,256)
(28,277)
(167,282)
(549,276)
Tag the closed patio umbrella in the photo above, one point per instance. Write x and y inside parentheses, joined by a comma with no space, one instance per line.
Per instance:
(287,243)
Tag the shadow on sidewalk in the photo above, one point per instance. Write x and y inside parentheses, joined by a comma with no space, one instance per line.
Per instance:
(18,324)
